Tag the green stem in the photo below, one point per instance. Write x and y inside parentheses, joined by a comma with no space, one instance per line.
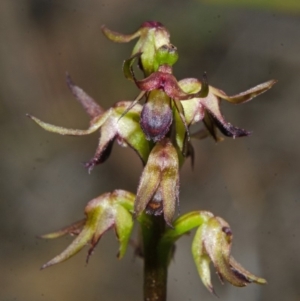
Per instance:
(156,259)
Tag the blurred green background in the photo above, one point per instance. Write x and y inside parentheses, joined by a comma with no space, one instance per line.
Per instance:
(252,182)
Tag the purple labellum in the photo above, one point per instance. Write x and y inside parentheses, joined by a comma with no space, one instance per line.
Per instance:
(156,118)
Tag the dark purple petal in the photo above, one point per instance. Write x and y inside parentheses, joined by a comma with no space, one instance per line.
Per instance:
(209,123)
(102,154)
(228,129)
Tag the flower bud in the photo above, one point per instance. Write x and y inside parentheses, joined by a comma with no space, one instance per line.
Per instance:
(152,35)
(158,190)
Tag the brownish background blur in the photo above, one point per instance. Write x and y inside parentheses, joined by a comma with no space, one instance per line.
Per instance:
(253,182)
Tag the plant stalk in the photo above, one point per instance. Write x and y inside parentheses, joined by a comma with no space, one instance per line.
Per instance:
(155,260)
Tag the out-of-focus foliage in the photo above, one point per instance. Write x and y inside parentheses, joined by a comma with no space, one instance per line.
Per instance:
(279,5)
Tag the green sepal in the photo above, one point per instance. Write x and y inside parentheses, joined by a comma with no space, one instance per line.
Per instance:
(158,189)
(152,35)
(151,40)
(127,66)
(201,259)
(129,129)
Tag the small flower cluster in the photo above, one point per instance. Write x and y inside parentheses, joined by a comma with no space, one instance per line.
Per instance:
(159,132)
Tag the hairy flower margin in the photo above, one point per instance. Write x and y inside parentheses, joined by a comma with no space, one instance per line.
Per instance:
(159,132)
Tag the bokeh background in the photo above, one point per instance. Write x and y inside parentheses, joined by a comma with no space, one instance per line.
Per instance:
(252,182)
